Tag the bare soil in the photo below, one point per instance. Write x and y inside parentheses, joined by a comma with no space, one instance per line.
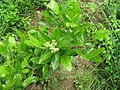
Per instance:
(64,80)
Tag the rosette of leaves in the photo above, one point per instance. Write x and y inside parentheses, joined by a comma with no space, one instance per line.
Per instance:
(72,35)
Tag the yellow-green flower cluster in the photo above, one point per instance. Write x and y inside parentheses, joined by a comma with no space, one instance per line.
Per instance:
(51,45)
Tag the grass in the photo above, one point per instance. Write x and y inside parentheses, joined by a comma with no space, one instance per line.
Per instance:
(106,76)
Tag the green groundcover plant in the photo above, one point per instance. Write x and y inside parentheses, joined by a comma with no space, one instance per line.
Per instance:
(27,58)
(111,72)
(14,14)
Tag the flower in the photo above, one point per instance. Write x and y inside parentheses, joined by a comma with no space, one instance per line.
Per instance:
(46,44)
(53,50)
(54,43)
(51,45)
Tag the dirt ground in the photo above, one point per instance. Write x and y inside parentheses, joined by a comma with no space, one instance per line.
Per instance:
(64,80)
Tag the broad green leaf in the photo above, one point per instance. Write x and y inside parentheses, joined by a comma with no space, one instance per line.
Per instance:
(87,50)
(96,59)
(79,20)
(33,33)
(28,80)
(70,52)
(49,17)
(78,43)
(18,66)
(79,32)
(73,10)
(23,38)
(45,70)
(30,73)
(37,51)
(28,55)
(66,62)
(91,45)
(45,56)
(78,51)
(45,36)
(54,6)
(22,45)
(25,70)
(55,62)
(21,35)
(100,34)
(24,63)
(64,42)
(71,25)
(35,60)
(10,42)
(9,84)
(28,42)
(17,79)
(42,26)
(3,72)
(41,39)
(63,7)
(34,40)
(55,34)
(95,52)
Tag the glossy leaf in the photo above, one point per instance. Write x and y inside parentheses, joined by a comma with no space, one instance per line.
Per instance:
(10,42)
(73,10)
(96,59)
(64,42)
(25,70)
(34,41)
(24,63)
(45,70)
(21,35)
(28,80)
(41,39)
(100,34)
(3,72)
(45,56)
(28,42)
(95,52)
(45,36)
(55,62)
(71,25)
(49,17)
(55,34)
(35,60)
(23,38)
(17,78)
(54,6)
(78,51)
(66,62)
